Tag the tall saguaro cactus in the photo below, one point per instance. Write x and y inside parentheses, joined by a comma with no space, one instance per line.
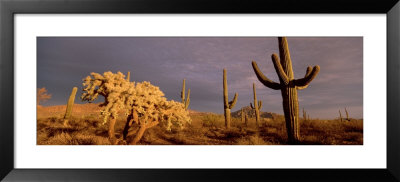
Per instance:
(128,76)
(257,105)
(70,104)
(228,105)
(288,86)
(186,101)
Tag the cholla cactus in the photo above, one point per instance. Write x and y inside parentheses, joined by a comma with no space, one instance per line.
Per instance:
(143,103)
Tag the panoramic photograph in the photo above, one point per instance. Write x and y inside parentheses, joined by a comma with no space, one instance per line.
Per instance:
(199,91)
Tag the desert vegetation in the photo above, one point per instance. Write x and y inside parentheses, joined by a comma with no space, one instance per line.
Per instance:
(288,86)
(139,113)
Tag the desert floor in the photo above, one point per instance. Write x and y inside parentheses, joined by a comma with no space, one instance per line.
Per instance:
(86,128)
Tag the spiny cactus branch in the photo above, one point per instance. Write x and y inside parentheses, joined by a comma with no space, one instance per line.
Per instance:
(307,79)
(263,79)
(308,72)
(233,102)
(278,68)
(259,105)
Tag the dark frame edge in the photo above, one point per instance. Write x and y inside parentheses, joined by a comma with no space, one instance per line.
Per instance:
(393,85)
(7,89)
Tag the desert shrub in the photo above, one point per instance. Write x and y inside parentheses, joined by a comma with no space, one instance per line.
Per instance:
(212,120)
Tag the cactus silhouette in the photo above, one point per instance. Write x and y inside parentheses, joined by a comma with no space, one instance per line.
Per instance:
(347,114)
(288,86)
(228,105)
(187,101)
(340,115)
(304,115)
(70,104)
(257,105)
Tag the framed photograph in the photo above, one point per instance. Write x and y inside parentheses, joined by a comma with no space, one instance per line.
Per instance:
(122,91)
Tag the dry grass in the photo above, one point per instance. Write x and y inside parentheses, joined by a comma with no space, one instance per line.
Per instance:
(206,129)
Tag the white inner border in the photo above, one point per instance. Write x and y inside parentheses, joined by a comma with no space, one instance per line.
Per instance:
(370,155)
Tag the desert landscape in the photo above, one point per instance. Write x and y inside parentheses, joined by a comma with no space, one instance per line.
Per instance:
(115,109)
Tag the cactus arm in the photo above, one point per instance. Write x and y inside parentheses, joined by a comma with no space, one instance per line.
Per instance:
(263,79)
(279,70)
(259,105)
(308,72)
(233,102)
(307,79)
(187,102)
(251,105)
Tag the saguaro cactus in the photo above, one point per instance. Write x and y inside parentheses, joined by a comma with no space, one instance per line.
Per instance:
(288,86)
(128,76)
(257,105)
(347,114)
(228,105)
(304,115)
(186,101)
(340,115)
(70,104)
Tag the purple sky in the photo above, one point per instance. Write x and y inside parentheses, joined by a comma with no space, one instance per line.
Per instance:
(164,61)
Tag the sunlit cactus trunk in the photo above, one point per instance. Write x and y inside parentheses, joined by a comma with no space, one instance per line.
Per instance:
(228,105)
(128,76)
(111,131)
(288,86)
(186,101)
(70,105)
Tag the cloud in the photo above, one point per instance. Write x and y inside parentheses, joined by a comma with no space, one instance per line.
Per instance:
(166,61)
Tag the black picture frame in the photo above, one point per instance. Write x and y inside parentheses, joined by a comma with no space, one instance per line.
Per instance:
(8,8)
